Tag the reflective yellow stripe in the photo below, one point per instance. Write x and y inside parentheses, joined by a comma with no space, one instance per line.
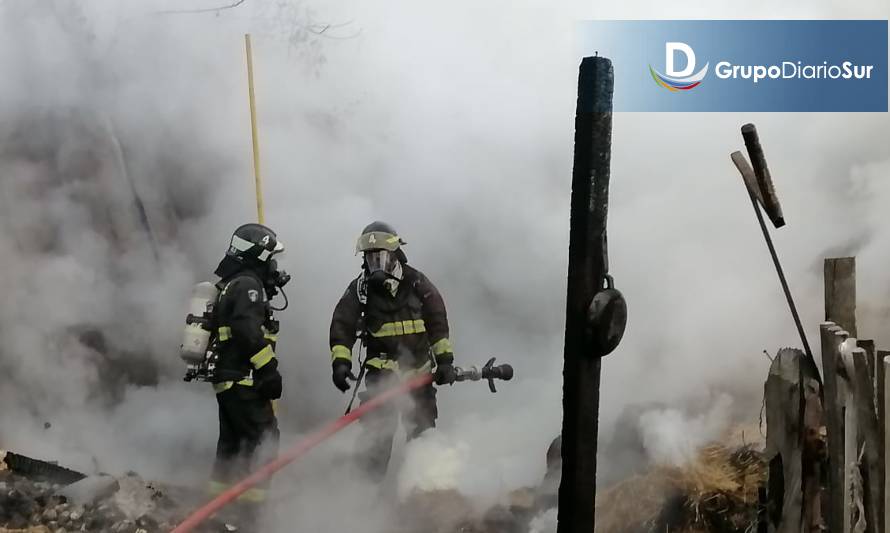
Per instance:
(215,488)
(442,347)
(253,495)
(388,364)
(404,327)
(382,364)
(226,385)
(225,333)
(269,336)
(341,352)
(262,357)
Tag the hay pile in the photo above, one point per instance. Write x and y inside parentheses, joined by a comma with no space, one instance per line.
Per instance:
(714,492)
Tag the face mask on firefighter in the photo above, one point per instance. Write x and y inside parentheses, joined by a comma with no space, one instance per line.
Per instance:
(384,262)
(277,278)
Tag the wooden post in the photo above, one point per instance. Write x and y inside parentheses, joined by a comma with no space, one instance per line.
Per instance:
(868,437)
(588,264)
(840,292)
(833,503)
(871,358)
(875,439)
(851,428)
(793,491)
(885,362)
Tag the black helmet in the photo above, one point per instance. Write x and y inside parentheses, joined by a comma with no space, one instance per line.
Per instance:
(381,236)
(254,242)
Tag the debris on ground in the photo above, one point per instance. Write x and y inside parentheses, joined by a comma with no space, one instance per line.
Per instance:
(717,491)
(33,500)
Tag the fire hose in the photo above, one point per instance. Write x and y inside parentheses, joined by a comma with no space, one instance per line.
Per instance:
(488,372)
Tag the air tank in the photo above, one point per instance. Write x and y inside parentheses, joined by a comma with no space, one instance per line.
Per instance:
(196,336)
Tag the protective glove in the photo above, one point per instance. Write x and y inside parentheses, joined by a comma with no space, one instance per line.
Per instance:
(445,374)
(267,381)
(342,372)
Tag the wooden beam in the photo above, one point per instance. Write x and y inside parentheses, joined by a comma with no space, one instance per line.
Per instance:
(881,405)
(850,427)
(840,292)
(833,502)
(868,437)
(885,408)
(588,264)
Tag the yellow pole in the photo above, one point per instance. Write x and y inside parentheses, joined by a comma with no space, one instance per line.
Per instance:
(256,149)
(256,142)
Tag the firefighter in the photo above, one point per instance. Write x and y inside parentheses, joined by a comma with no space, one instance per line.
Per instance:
(401,319)
(246,378)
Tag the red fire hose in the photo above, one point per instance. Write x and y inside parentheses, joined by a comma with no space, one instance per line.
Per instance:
(297,451)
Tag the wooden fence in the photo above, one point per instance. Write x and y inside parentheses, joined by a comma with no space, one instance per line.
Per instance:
(826,436)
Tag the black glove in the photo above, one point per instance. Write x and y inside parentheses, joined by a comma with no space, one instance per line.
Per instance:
(267,381)
(342,372)
(445,374)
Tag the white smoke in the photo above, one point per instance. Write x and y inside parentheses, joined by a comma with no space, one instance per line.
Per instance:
(671,436)
(453,122)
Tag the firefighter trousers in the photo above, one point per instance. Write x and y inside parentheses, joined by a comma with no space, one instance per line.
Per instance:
(418,413)
(248,438)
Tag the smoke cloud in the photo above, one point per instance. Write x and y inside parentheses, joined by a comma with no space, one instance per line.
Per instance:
(125,165)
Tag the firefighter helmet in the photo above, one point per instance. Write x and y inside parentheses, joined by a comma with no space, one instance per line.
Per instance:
(379,236)
(254,242)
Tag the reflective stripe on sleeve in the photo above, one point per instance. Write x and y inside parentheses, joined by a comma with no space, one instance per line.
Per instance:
(443,346)
(341,352)
(224,333)
(262,357)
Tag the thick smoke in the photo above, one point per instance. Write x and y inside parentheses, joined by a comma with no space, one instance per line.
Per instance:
(453,124)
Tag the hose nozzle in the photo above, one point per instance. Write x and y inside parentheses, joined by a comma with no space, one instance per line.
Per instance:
(488,372)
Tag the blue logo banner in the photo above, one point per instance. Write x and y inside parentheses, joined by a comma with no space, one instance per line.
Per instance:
(743,65)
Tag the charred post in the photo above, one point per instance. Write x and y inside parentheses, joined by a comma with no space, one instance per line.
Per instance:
(833,503)
(588,265)
(840,292)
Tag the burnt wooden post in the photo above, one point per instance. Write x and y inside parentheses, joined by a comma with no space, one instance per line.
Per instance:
(588,265)
(840,292)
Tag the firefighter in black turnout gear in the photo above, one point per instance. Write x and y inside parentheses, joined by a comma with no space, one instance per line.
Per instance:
(246,379)
(401,319)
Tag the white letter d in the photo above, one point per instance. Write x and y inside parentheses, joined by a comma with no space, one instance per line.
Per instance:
(669,49)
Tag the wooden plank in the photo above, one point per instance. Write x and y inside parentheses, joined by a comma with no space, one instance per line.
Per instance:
(813,459)
(850,429)
(833,502)
(868,438)
(784,453)
(840,292)
(881,405)
(869,346)
(886,438)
